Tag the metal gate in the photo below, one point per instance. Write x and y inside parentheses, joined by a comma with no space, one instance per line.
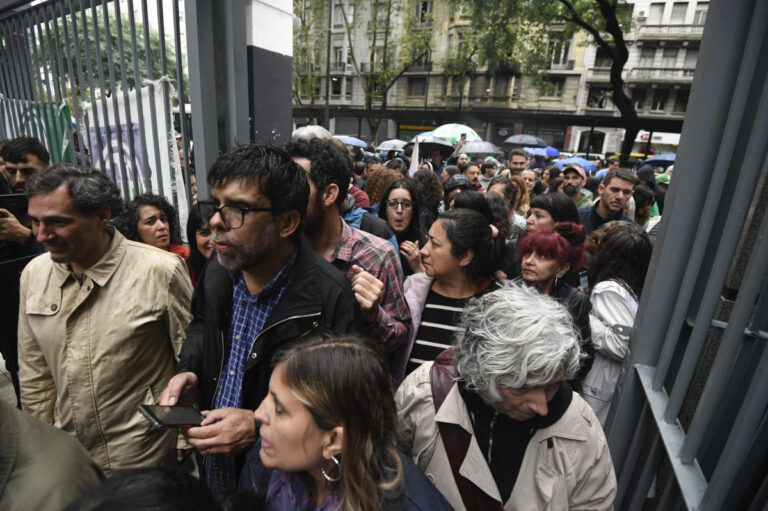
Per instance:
(690,414)
(98,81)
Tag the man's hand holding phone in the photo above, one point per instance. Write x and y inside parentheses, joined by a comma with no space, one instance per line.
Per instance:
(224,431)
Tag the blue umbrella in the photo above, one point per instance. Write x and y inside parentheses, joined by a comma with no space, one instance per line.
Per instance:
(581,162)
(346,140)
(661,160)
(551,152)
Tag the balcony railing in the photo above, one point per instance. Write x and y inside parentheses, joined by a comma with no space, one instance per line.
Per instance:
(422,68)
(562,66)
(671,29)
(600,73)
(338,66)
(661,72)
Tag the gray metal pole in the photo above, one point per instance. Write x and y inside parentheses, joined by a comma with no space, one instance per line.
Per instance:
(327,111)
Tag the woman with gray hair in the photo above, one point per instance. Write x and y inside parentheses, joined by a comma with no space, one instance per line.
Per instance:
(493,422)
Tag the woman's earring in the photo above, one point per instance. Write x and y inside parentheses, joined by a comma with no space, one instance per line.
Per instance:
(338,470)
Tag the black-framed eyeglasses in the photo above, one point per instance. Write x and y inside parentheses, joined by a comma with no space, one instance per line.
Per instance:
(394,203)
(233,217)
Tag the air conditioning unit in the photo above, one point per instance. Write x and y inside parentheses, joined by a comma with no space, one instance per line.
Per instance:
(641,16)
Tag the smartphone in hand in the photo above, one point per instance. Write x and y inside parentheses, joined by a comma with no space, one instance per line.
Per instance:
(171,416)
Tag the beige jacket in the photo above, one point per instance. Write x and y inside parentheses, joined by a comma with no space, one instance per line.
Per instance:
(90,353)
(565,466)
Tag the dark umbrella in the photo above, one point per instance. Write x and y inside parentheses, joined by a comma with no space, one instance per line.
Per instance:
(428,144)
(477,149)
(525,140)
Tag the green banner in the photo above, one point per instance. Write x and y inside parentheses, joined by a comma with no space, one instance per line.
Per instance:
(50,122)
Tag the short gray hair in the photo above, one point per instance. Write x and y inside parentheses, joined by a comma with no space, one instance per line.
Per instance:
(515,338)
(89,189)
(309,132)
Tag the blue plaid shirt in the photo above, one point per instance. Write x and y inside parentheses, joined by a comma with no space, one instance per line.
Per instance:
(249,315)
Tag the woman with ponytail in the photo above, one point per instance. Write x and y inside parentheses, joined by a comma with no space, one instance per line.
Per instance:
(327,434)
(461,257)
(547,256)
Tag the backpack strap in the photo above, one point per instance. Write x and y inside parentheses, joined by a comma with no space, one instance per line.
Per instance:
(455,439)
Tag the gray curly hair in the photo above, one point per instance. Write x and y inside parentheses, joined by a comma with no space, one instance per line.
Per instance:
(515,338)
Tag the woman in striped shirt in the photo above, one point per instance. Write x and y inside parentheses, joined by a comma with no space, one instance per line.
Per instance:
(462,254)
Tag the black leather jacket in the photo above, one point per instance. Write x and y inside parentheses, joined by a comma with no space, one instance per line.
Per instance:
(318,298)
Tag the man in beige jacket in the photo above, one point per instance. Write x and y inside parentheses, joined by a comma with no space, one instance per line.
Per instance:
(101,321)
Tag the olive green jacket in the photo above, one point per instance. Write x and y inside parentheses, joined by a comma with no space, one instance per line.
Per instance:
(41,468)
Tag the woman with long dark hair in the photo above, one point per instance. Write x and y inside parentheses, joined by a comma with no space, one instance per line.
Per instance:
(327,434)
(199,236)
(546,258)
(152,220)
(400,206)
(622,253)
(460,259)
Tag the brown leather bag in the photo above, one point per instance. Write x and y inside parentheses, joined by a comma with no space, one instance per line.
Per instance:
(455,439)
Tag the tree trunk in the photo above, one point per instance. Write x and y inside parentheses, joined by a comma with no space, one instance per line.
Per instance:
(373,125)
(630,134)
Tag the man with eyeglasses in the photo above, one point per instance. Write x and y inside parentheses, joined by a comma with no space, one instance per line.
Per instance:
(370,264)
(264,287)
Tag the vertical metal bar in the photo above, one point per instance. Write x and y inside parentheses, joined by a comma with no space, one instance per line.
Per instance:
(62,87)
(669,495)
(115,103)
(22,66)
(729,346)
(12,81)
(734,95)
(91,89)
(152,102)
(640,491)
(635,447)
(749,174)
(166,92)
(74,79)
(139,99)
(100,74)
(52,107)
(326,110)
(740,438)
(39,91)
(182,112)
(134,171)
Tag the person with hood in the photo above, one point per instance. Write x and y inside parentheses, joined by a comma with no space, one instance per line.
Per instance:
(647,177)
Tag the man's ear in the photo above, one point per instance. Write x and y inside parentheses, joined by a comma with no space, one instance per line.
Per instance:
(330,194)
(104,215)
(600,189)
(288,223)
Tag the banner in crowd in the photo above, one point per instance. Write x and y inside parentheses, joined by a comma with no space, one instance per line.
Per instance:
(123,149)
(49,122)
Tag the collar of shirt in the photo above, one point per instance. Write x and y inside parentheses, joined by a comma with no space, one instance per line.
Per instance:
(102,271)
(346,242)
(274,287)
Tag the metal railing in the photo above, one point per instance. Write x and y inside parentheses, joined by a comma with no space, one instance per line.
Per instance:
(562,66)
(661,72)
(690,410)
(96,81)
(670,29)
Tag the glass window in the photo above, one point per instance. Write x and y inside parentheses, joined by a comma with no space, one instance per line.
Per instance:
(669,57)
(660,97)
(553,87)
(599,97)
(417,86)
(678,13)
(479,86)
(647,54)
(655,14)
(681,100)
(700,15)
(501,87)
(638,98)
(602,58)
(336,86)
(691,56)
(348,87)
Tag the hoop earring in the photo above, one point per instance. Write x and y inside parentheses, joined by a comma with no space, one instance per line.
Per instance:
(338,469)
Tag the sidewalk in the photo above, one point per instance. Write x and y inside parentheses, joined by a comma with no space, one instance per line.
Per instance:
(6,387)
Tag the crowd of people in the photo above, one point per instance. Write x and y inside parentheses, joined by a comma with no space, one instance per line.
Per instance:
(355,334)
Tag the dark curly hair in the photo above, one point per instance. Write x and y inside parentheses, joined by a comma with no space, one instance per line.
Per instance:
(623,254)
(500,214)
(330,163)
(197,220)
(128,222)
(431,188)
(89,189)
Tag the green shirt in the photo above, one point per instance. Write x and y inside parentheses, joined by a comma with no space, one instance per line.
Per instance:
(583,201)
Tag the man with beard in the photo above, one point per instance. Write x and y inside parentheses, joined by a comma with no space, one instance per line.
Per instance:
(472,172)
(370,264)
(614,193)
(264,287)
(517,161)
(572,187)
